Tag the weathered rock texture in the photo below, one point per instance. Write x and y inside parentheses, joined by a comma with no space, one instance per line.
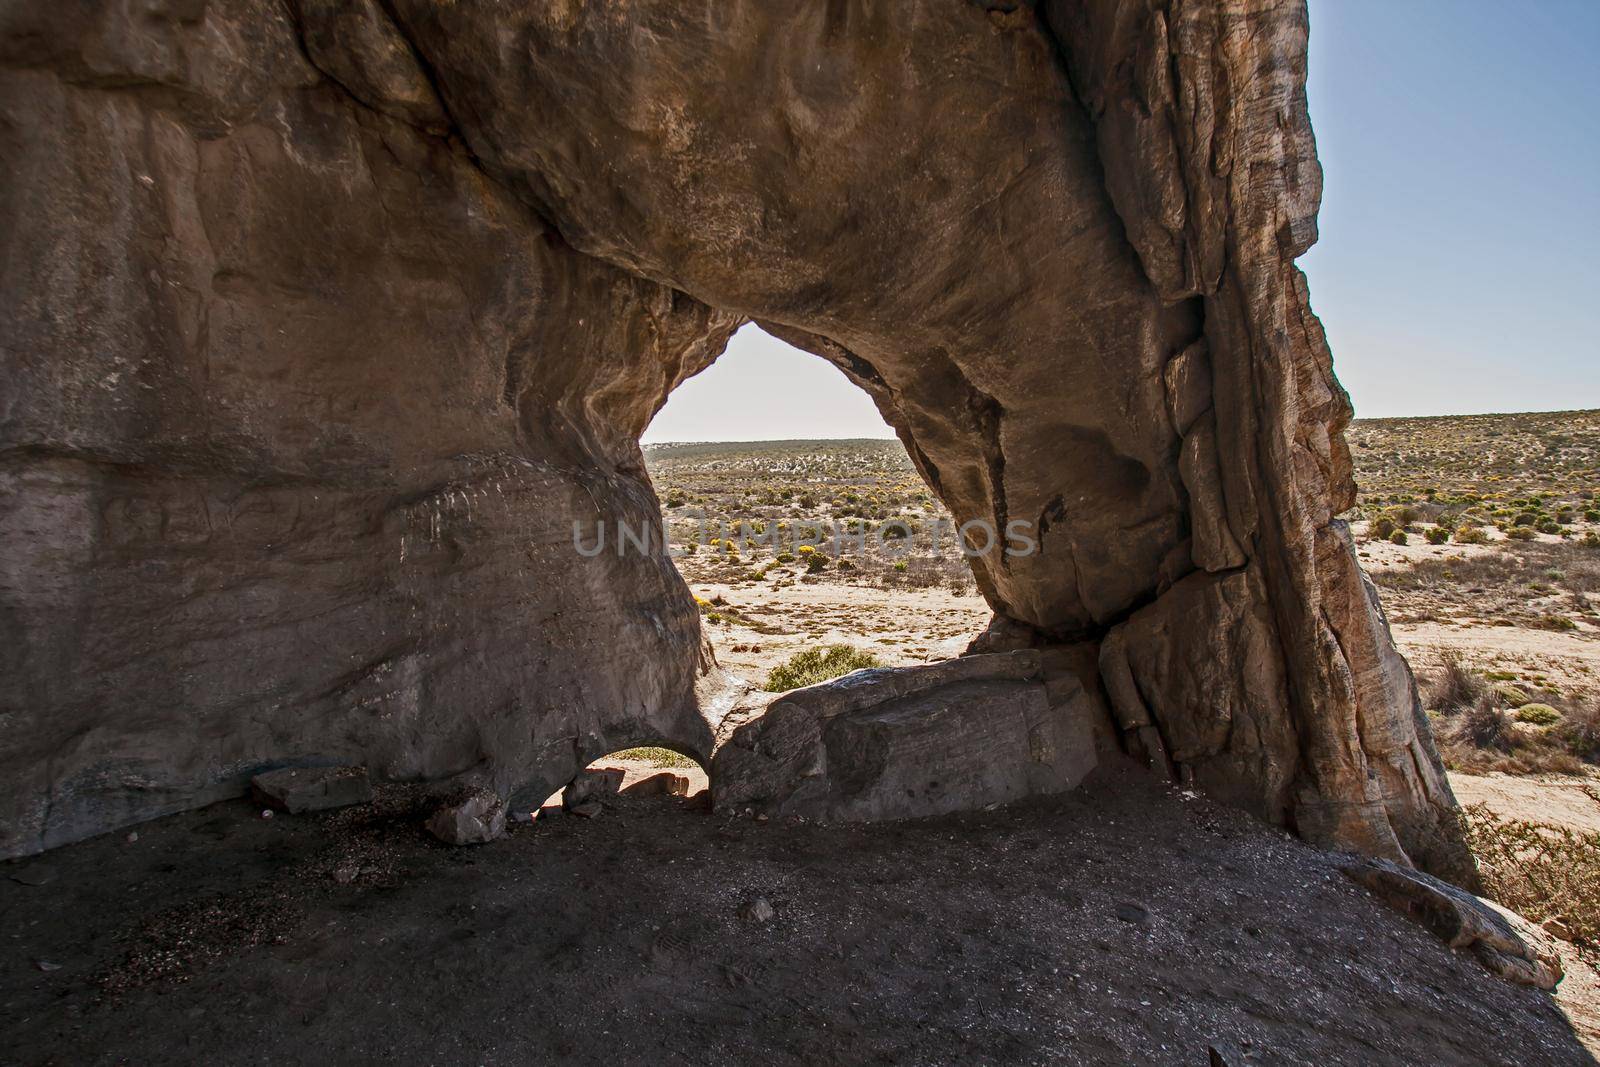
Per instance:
(899,743)
(1502,940)
(324,320)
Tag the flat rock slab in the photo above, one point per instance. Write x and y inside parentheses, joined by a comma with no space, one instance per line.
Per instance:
(907,742)
(1502,940)
(298,789)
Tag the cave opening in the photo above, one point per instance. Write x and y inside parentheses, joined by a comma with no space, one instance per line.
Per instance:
(643,773)
(809,539)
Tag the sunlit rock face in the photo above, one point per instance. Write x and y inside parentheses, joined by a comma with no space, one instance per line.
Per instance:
(325,321)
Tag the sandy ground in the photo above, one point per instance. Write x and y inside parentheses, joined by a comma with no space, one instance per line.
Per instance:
(1126,923)
(768,625)
(1570,661)
(1554,799)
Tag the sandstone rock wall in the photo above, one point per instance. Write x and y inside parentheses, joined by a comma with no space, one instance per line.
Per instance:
(299,408)
(323,321)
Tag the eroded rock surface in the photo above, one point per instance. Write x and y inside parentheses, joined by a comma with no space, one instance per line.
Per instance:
(1502,940)
(324,322)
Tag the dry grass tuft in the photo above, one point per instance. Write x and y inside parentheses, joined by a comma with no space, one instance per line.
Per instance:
(1454,687)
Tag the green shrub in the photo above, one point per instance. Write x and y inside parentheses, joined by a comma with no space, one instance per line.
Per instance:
(1522,533)
(1471,535)
(1510,695)
(1398,538)
(816,562)
(1548,527)
(1527,518)
(1383,528)
(900,566)
(817,665)
(1438,535)
(1592,515)
(1538,714)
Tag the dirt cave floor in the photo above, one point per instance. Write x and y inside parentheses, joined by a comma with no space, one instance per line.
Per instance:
(1127,923)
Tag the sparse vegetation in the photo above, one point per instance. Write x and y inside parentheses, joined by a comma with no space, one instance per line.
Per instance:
(659,757)
(818,665)
(1539,871)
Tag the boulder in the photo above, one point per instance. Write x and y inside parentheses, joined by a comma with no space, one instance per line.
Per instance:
(475,817)
(298,789)
(665,784)
(593,785)
(899,743)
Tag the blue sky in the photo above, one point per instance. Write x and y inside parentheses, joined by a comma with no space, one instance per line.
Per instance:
(1456,270)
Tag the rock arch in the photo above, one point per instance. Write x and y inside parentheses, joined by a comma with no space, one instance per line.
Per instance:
(324,320)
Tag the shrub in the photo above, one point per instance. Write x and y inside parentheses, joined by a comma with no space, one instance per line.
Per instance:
(1548,526)
(1438,535)
(817,665)
(1527,518)
(1542,872)
(1486,726)
(1383,528)
(1522,533)
(1454,687)
(1592,515)
(816,562)
(1538,714)
(1579,733)
(900,566)
(1511,696)
(1591,539)
(1471,535)
(1398,538)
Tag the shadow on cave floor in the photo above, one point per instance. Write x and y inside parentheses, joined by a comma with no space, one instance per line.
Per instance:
(1124,923)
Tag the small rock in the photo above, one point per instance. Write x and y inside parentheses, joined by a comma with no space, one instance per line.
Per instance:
(474,817)
(132,837)
(46,965)
(34,874)
(266,813)
(1133,913)
(346,872)
(1558,929)
(588,809)
(298,789)
(756,911)
(593,785)
(761,817)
